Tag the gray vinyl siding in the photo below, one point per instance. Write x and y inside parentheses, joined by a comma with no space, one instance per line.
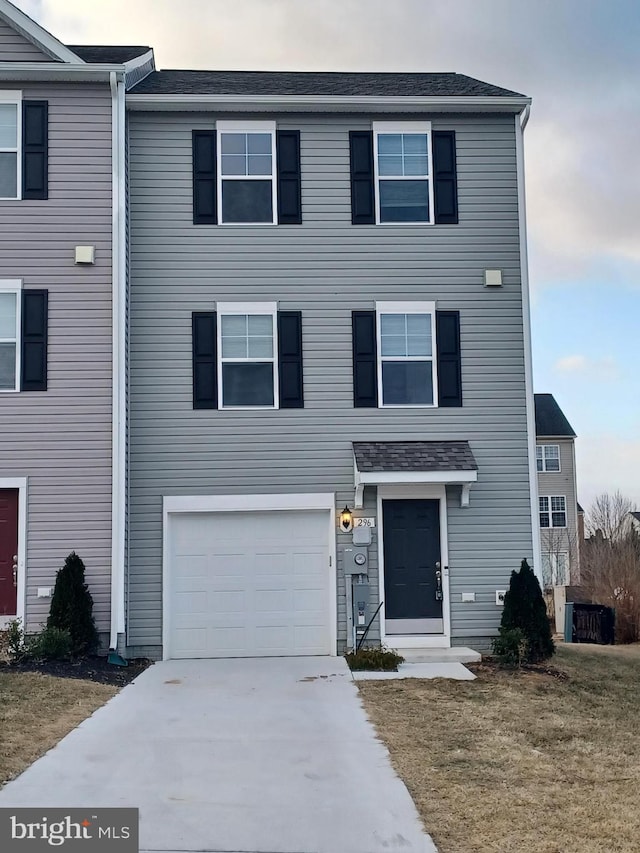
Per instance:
(14,47)
(326,267)
(561,483)
(61,439)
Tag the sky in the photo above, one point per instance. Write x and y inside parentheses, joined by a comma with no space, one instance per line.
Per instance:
(580,62)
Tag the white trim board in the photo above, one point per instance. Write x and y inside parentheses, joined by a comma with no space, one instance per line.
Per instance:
(21,484)
(417,492)
(322,501)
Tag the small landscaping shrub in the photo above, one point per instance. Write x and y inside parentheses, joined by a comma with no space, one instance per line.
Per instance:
(374,659)
(525,610)
(14,639)
(50,644)
(72,607)
(510,647)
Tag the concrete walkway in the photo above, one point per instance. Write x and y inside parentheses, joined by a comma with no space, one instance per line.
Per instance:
(235,756)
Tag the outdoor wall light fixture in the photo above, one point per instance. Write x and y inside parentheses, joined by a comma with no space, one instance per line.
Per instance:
(346,520)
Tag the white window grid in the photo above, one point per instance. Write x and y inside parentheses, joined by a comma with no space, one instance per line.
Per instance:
(548,458)
(248,309)
(15,99)
(250,127)
(14,287)
(553,511)
(393,127)
(428,308)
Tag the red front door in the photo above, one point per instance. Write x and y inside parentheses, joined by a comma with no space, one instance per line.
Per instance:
(8,551)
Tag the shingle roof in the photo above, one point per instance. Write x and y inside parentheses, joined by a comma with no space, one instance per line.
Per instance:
(414,456)
(315,83)
(108,54)
(636,515)
(550,420)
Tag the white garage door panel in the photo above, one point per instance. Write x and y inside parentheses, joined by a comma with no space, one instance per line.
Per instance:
(249,584)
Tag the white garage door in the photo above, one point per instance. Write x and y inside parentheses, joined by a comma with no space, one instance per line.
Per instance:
(245,584)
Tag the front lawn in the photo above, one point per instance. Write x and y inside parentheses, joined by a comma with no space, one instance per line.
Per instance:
(37,710)
(524,762)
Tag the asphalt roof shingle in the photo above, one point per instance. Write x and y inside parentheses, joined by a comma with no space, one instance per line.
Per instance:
(414,456)
(316,83)
(108,54)
(550,419)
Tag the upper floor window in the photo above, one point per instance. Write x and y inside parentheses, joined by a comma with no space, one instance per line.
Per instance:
(10,306)
(406,347)
(10,144)
(248,375)
(403,174)
(553,511)
(548,457)
(246,169)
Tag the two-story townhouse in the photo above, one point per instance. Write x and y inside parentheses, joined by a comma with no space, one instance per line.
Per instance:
(329,326)
(561,526)
(62,300)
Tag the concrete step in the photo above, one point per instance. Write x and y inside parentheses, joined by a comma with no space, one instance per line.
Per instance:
(459,654)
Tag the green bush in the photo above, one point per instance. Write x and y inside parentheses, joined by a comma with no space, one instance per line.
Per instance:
(15,640)
(510,647)
(72,607)
(525,610)
(374,659)
(50,644)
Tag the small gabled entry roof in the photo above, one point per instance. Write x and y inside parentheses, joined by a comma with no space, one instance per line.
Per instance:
(404,462)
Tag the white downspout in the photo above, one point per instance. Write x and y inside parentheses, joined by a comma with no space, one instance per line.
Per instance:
(521,122)
(118,363)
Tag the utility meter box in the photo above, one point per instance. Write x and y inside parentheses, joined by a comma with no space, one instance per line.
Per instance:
(356,561)
(361,604)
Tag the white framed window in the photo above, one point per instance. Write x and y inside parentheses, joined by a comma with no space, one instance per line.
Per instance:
(548,458)
(10,145)
(406,334)
(10,325)
(403,172)
(553,511)
(247,364)
(247,186)
(555,569)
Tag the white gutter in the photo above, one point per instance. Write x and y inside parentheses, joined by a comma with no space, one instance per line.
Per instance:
(118,359)
(521,122)
(509,104)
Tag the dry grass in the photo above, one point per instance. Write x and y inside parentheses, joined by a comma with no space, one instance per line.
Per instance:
(522,762)
(36,711)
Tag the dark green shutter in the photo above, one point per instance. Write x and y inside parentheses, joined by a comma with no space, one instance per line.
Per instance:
(204,355)
(362,195)
(290,359)
(449,362)
(204,177)
(35,150)
(446,180)
(365,360)
(33,369)
(289,183)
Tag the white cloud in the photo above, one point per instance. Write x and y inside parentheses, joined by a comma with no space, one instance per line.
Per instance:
(602,368)
(607,463)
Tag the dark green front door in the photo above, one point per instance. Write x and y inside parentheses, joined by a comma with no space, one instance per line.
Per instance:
(412,570)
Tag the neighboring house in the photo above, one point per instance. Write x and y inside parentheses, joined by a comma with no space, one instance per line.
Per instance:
(326,308)
(61,114)
(633,522)
(561,517)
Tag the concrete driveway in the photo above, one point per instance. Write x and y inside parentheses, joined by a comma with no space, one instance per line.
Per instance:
(235,756)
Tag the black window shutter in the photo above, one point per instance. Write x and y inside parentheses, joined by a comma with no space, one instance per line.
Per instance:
(290,359)
(365,360)
(449,366)
(205,369)
(34,340)
(289,183)
(35,150)
(204,177)
(446,180)
(362,195)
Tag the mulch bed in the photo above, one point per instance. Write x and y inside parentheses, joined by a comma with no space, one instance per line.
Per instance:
(489,666)
(89,669)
